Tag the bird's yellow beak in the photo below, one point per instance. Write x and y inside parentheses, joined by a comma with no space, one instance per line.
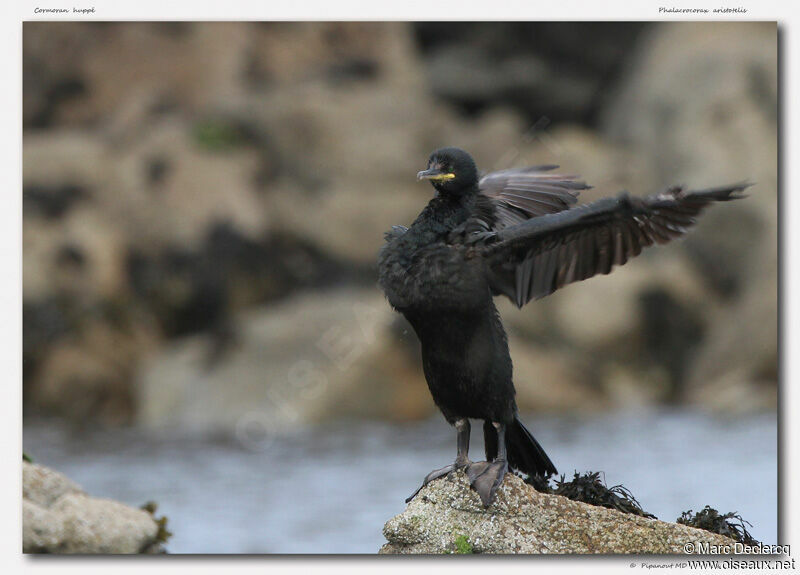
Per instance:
(435,175)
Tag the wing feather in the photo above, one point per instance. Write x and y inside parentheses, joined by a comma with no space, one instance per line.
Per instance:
(523,193)
(532,259)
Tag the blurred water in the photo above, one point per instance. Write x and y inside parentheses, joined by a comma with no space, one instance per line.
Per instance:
(330,490)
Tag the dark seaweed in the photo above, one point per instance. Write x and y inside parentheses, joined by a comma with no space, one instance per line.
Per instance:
(163,534)
(589,488)
(730,524)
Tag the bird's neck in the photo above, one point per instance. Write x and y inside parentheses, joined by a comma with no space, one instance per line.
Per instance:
(444,212)
(462,192)
(447,202)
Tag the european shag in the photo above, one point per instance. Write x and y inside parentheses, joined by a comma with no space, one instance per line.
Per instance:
(515,233)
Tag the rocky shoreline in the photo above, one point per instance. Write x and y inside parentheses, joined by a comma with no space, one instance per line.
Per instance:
(190,184)
(447,517)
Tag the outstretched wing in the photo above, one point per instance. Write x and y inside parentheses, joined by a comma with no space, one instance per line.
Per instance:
(523,193)
(535,258)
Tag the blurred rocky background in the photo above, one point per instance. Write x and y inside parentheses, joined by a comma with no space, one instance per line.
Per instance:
(203,204)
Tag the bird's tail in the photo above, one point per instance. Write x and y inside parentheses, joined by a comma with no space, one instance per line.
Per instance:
(523,451)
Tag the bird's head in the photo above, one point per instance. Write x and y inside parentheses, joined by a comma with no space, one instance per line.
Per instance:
(451,171)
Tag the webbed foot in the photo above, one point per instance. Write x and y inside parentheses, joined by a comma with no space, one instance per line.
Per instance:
(437,473)
(485,478)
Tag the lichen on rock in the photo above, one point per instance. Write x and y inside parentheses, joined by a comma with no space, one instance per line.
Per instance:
(447,515)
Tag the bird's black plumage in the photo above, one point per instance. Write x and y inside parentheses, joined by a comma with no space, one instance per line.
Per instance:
(513,233)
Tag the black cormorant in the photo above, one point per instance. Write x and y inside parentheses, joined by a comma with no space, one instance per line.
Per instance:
(514,232)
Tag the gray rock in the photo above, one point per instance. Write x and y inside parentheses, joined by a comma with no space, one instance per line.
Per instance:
(103,526)
(42,531)
(447,517)
(58,517)
(303,361)
(43,486)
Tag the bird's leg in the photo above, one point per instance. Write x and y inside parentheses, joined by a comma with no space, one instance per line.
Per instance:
(462,456)
(462,442)
(486,477)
